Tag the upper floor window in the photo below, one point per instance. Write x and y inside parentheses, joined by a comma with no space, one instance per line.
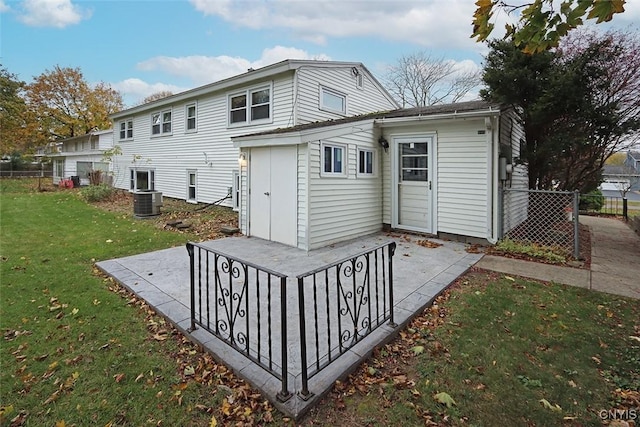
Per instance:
(161,123)
(126,129)
(333,100)
(191,118)
(250,106)
(333,159)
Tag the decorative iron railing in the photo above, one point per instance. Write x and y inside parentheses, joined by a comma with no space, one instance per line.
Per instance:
(245,306)
(340,304)
(242,304)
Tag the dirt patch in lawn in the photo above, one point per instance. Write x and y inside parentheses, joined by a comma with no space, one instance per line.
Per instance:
(202,220)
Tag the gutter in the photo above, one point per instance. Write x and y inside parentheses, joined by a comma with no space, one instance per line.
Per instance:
(448,116)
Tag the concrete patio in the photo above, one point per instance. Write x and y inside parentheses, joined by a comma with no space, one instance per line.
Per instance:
(162,278)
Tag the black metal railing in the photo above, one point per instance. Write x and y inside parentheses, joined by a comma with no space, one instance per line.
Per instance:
(606,205)
(347,300)
(242,304)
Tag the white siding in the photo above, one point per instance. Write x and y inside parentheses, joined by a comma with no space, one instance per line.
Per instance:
(303,201)
(171,155)
(359,101)
(514,202)
(243,215)
(342,208)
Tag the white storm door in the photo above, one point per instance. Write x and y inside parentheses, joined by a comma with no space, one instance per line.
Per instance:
(274,194)
(413,179)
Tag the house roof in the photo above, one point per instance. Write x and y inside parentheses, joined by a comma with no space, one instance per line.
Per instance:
(617,171)
(250,76)
(613,170)
(453,110)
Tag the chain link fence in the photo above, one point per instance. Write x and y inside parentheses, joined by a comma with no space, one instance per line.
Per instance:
(546,218)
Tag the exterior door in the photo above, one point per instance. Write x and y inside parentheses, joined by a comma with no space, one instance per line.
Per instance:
(273,194)
(413,184)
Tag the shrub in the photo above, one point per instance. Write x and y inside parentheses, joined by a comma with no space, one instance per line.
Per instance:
(592,201)
(96,193)
(550,254)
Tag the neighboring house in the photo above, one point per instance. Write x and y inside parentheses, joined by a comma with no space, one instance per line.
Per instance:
(633,160)
(181,145)
(79,155)
(433,170)
(625,177)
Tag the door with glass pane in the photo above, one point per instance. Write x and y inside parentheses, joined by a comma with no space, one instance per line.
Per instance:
(413,184)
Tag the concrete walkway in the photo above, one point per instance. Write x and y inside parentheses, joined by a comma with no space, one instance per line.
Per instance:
(162,279)
(615,261)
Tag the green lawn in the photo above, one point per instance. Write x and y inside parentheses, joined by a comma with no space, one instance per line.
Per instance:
(79,350)
(508,352)
(76,347)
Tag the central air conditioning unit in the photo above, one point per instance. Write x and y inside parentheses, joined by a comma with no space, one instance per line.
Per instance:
(146,203)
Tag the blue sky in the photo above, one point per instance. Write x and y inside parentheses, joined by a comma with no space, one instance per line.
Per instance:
(142,47)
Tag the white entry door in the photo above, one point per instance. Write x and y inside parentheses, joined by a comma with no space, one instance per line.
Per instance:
(273,194)
(412,201)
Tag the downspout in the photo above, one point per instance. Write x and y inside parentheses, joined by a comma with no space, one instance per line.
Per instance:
(492,179)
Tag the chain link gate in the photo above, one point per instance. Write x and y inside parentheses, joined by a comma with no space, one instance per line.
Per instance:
(546,218)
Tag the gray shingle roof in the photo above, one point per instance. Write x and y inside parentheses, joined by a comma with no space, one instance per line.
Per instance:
(458,107)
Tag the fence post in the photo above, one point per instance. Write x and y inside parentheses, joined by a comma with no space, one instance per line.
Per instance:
(500,211)
(304,393)
(576,224)
(193,286)
(392,250)
(284,394)
(625,209)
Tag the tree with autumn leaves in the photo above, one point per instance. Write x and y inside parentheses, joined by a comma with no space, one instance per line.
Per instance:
(541,23)
(58,104)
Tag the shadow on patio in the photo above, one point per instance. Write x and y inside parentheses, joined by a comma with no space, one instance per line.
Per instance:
(254,309)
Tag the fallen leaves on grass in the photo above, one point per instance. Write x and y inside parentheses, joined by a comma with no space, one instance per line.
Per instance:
(242,405)
(445,399)
(547,405)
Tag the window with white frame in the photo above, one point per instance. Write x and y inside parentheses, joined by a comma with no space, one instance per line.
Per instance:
(250,107)
(366,165)
(58,168)
(333,100)
(235,190)
(126,129)
(141,179)
(192,180)
(333,160)
(191,118)
(161,123)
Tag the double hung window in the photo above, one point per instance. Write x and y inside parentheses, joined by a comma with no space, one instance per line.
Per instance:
(252,106)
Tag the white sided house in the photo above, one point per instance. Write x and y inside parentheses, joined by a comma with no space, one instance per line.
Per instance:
(181,145)
(80,155)
(434,170)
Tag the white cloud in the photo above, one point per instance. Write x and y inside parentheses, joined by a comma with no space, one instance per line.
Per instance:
(52,13)
(201,70)
(4,7)
(207,69)
(134,90)
(432,23)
